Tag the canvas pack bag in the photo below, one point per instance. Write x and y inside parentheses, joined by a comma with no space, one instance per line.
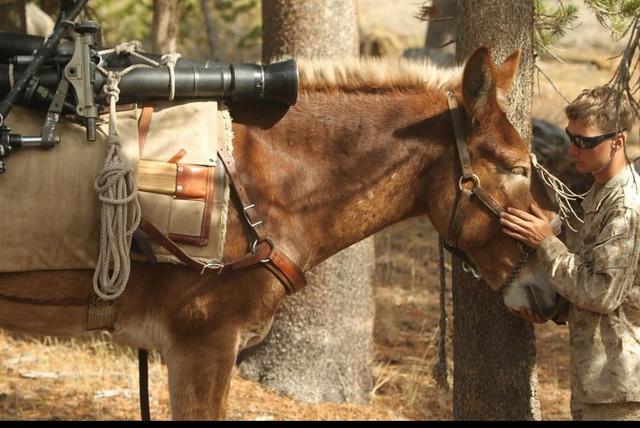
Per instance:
(51,213)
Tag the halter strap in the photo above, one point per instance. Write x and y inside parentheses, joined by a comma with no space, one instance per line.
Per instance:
(464,194)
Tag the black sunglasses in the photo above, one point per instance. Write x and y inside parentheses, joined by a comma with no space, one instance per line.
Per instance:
(590,142)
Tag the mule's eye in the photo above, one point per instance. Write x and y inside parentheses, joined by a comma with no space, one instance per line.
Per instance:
(520,170)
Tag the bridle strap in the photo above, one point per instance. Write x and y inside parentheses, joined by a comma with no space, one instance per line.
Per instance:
(457,217)
(458,130)
(488,201)
(463,195)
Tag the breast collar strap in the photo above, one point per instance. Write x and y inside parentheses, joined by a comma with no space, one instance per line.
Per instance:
(263,250)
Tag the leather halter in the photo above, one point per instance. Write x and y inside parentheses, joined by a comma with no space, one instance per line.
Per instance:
(464,196)
(263,251)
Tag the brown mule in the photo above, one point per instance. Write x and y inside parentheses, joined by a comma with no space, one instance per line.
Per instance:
(361,150)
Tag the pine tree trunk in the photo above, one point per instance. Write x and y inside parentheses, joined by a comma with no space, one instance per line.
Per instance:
(320,344)
(494,352)
(441,32)
(441,29)
(14,16)
(210,26)
(165,25)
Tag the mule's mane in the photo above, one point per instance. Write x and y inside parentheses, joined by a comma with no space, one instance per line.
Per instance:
(374,75)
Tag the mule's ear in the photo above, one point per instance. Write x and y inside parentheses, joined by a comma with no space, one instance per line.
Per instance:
(507,71)
(478,80)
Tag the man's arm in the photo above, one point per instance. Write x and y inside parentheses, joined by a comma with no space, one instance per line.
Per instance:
(599,286)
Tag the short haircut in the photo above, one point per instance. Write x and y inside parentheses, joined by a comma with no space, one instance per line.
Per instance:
(604,107)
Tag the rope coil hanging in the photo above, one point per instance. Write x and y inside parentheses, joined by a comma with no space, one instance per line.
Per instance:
(116,185)
(117,191)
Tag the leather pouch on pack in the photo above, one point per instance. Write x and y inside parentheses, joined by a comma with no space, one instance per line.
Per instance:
(182,189)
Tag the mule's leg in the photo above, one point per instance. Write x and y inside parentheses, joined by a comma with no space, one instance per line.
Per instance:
(200,373)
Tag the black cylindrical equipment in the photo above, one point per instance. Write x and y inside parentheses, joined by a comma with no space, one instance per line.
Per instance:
(275,82)
(14,44)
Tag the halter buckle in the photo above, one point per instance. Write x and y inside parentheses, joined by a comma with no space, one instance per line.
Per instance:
(474,178)
(254,246)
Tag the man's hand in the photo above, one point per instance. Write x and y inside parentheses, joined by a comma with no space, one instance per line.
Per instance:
(530,228)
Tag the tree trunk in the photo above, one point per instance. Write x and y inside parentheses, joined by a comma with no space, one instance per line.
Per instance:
(14,16)
(320,345)
(165,25)
(441,28)
(210,26)
(320,29)
(494,352)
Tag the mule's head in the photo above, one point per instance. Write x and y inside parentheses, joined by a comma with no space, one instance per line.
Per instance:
(501,160)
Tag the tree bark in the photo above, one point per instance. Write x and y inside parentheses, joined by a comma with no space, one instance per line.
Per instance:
(320,29)
(494,352)
(210,26)
(165,25)
(14,16)
(441,29)
(320,345)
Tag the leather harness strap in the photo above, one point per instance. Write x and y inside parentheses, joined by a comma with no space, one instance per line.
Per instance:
(144,125)
(263,251)
(464,194)
(248,208)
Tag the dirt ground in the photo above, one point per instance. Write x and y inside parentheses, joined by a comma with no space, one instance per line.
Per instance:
(46,378)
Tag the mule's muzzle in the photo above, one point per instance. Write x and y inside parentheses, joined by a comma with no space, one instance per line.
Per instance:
(544,304)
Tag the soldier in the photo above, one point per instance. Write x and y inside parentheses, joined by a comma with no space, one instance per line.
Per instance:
(599,278)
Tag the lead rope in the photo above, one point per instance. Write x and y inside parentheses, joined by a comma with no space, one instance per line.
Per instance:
(440,370)
(563,194)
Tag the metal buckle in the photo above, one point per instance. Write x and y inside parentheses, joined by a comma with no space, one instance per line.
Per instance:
(212,265)
(255,244)
(472,177)
(246,216)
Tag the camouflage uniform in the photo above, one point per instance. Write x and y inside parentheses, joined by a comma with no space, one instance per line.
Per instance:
(599,279)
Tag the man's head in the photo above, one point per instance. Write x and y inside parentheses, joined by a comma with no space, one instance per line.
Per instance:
(599,120)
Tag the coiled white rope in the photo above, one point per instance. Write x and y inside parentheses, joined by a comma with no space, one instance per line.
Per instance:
(564,195)
(117,188)
(132,48)
(120,210)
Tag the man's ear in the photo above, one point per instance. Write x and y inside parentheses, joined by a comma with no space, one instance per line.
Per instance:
(507,71)
(620,141)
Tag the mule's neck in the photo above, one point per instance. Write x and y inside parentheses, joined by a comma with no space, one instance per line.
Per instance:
(344,166)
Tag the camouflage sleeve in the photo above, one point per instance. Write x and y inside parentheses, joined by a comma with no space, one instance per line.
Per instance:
(598,283)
